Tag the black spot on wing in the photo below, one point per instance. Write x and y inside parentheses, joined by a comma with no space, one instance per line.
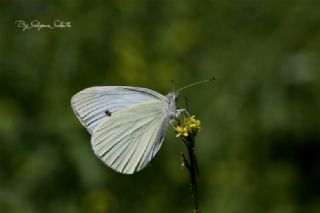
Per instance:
(108,113)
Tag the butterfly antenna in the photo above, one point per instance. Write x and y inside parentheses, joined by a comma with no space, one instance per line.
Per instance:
(172,85)
(200,82)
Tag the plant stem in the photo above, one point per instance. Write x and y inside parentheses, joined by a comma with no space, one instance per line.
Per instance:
(193,176)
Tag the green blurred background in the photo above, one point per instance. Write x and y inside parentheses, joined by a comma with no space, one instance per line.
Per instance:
(259,149)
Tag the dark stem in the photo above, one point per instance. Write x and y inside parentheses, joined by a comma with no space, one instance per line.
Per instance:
(193,173)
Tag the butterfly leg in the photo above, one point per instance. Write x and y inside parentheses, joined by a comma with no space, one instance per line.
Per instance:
(180,111)
(173,123)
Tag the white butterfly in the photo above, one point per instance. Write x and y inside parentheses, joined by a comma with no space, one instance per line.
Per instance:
(127,124)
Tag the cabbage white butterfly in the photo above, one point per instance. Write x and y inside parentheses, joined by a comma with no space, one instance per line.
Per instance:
(127,124)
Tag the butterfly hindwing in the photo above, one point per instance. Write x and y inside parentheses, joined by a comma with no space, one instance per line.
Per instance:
(94,104)
(131,137)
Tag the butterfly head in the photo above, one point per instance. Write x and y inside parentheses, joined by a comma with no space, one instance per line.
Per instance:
(172,99)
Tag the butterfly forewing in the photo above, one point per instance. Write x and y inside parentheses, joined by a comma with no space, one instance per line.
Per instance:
(131,137)
(95,104)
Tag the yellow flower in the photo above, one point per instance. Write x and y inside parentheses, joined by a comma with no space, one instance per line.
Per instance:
(181,131)
(195,126)
(188,126)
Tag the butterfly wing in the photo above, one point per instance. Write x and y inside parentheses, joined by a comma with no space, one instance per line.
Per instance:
(94,104)
(129,139)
